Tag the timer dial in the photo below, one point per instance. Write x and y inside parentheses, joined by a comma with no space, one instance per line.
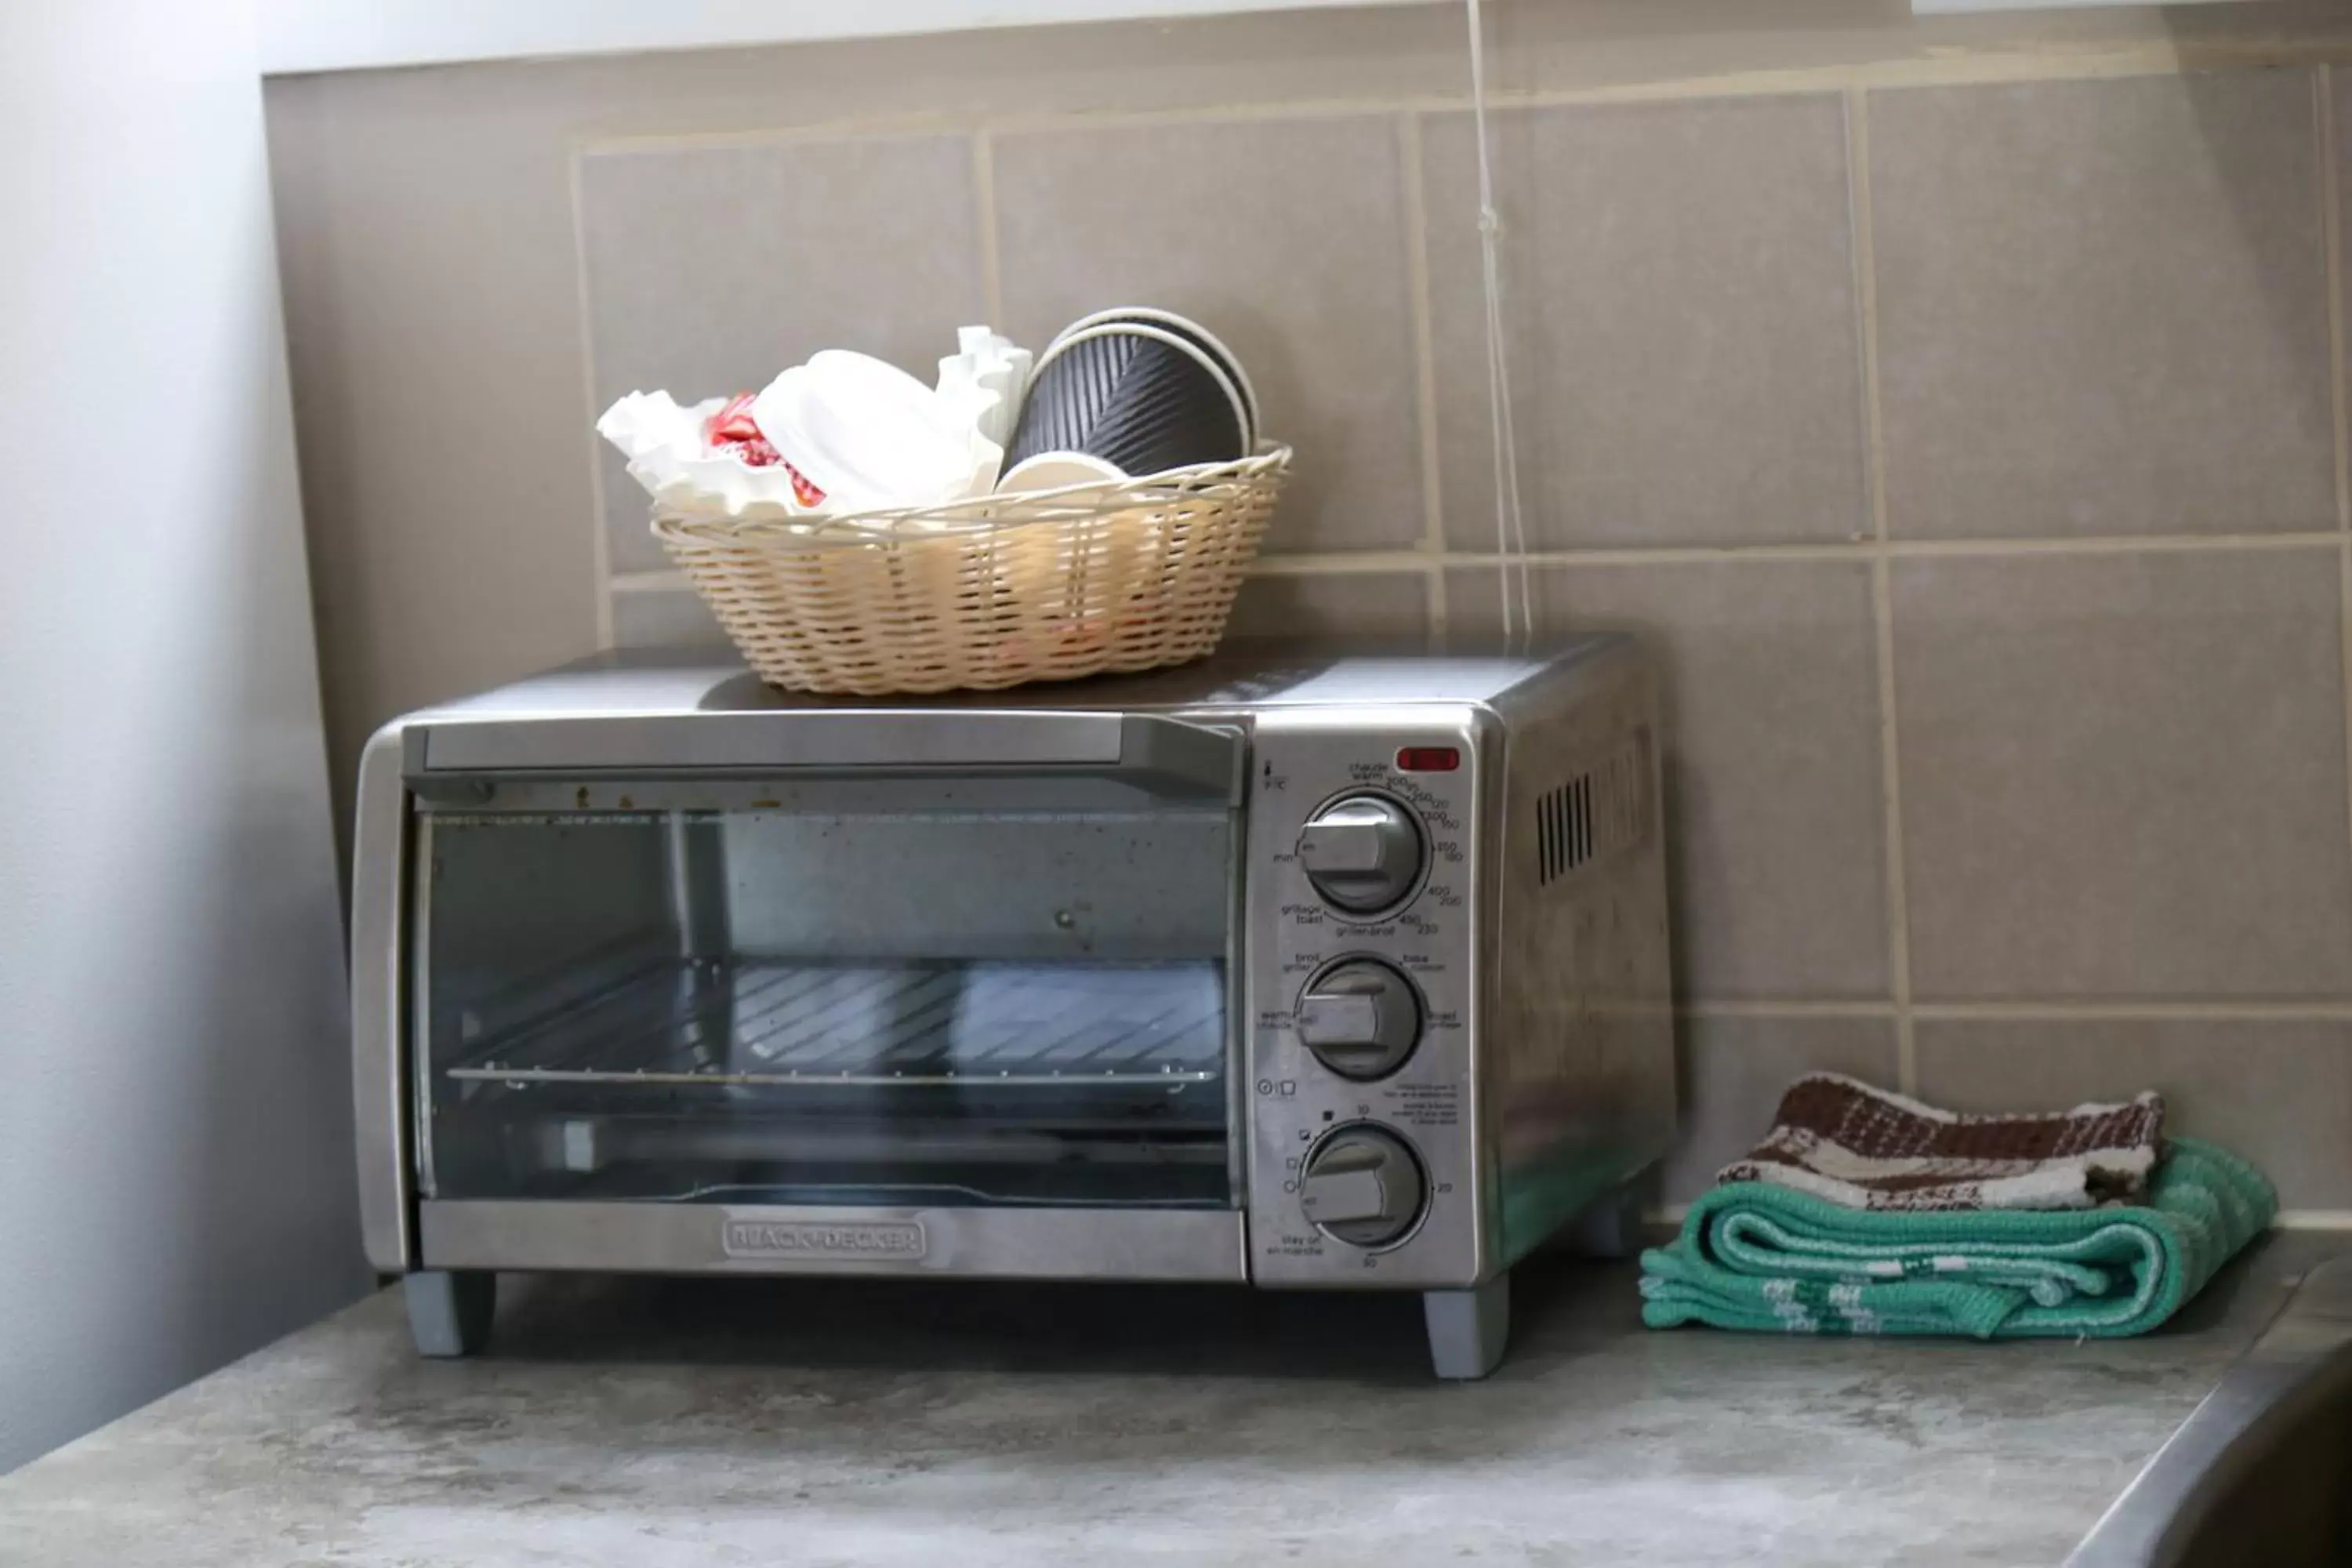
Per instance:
(1363,1185)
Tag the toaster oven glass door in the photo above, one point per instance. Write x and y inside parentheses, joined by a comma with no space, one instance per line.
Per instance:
(873,1003)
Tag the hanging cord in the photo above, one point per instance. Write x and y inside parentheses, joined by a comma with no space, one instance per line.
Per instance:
(1510,522)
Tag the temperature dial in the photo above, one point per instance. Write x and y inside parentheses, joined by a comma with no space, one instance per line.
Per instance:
(1361,1017)
(1362,1186)
(1362,852)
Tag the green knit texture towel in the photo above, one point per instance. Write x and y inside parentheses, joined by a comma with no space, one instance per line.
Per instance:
(1752,1255)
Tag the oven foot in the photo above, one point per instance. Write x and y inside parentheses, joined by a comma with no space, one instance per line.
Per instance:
(449,1312)
(1467,1328)
(1614,1225)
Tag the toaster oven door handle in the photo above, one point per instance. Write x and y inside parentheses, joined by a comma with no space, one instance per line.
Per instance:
(379,968)
(1165,756)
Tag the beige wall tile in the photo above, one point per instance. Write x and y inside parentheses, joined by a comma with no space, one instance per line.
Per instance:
(665,617)
(2340,95)
(2101,307)
(1683,333)
(709,268)
(1286,240)
(2278,1093)
(1733,1071)
(1355,603)
(432,342)
(2124,775)
(1772,761)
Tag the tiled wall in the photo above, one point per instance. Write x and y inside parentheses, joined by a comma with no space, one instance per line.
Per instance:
(1967,438)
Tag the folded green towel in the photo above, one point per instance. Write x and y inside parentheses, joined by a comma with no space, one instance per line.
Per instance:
(1756,1255)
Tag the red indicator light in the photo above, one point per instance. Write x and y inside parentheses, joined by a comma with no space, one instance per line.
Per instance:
(1428,760)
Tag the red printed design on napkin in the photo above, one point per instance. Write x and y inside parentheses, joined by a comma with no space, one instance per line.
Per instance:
(734,431)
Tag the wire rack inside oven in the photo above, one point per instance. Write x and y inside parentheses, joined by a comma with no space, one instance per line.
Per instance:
(758,1022)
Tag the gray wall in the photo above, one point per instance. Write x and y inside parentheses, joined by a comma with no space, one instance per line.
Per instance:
(175,1169)
(1956,403)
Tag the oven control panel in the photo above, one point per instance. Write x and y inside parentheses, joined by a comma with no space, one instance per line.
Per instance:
(1363,989)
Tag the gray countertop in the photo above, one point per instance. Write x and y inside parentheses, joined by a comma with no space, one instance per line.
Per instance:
(657,1423)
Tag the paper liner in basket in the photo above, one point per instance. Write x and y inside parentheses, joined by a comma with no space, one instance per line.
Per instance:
(843,434)
(667,453)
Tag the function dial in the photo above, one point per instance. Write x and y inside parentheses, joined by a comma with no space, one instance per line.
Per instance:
(1361,1017)
(1362,852)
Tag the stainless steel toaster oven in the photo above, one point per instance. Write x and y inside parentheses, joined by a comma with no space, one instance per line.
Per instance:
(1290,968)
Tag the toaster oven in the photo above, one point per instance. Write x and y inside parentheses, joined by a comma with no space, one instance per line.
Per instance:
(1290,968)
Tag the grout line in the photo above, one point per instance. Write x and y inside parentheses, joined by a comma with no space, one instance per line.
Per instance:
(2331,249)
(2331,219)
(1665,554)
(1355,563)
(1868,550)
(1790,1008)
(655,582)
(1416,255)
(2344,657)
(1313,564)
(1928,69)
(2209,1011)
(1347,563)
(1861,221)
(1416,218)
(1358,562)
(2119,544)
(1898,898)
(1882,591)
(991,259)
(599,547)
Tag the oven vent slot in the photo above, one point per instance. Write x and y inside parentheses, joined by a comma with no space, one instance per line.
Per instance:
(1563,828)
(1594,814)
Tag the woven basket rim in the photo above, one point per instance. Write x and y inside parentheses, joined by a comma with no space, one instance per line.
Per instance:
(1057,508)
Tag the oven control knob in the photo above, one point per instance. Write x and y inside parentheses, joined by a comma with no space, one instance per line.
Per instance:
(1362,1186)
(1362,852)
(1360,1019)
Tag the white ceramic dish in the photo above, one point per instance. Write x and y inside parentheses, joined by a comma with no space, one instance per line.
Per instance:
(1057,471)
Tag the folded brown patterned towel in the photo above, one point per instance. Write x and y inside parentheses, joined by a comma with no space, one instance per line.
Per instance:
(1865,1148)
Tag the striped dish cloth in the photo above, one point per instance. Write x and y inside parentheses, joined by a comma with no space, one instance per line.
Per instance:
(1864,1213)
(1843,1141)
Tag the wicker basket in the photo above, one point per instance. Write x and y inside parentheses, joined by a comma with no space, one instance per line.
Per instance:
(988,592)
